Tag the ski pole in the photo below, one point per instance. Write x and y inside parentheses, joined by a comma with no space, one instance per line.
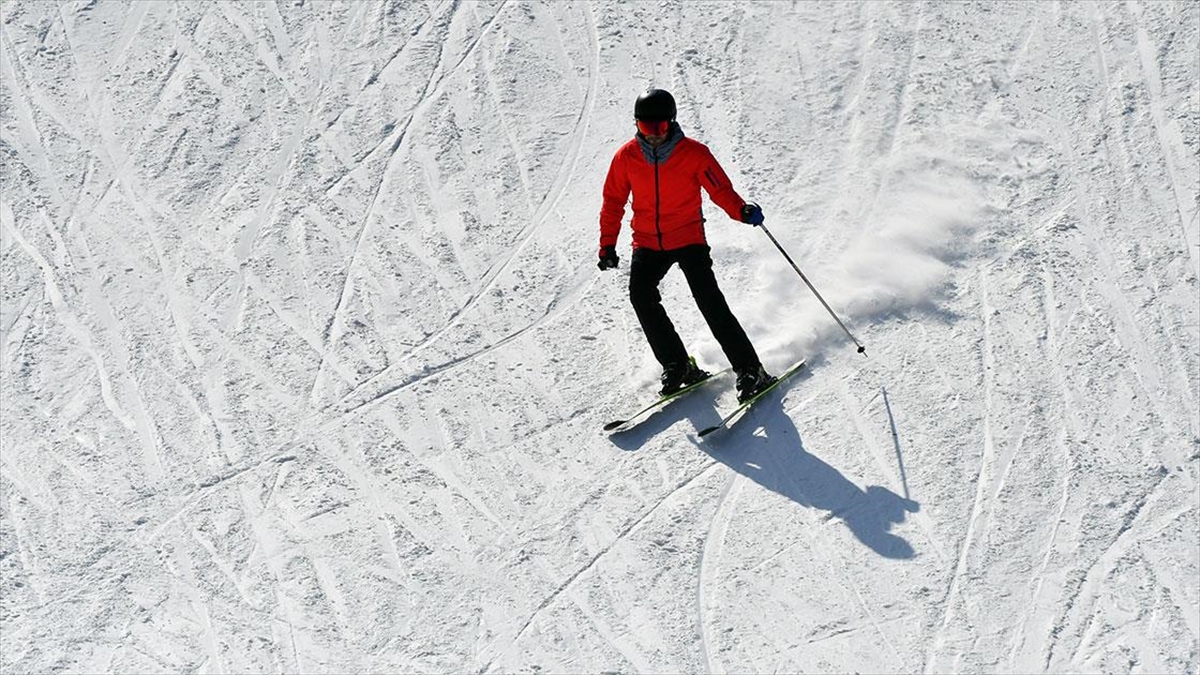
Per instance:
(861,349)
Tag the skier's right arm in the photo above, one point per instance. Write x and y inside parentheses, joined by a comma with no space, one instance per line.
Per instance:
(616,194)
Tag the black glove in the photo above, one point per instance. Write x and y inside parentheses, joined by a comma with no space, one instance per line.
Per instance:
(608,258)
(752,214)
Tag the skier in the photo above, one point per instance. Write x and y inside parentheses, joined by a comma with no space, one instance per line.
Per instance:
(665,171)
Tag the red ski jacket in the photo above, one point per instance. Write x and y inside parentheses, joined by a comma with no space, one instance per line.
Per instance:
(666,194)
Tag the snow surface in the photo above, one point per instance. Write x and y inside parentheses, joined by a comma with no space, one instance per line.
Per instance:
(305,354)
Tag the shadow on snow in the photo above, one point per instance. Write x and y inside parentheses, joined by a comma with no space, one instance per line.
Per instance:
(777,459)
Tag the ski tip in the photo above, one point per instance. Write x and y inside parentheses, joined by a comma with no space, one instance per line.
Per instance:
(615,424)
(705,432)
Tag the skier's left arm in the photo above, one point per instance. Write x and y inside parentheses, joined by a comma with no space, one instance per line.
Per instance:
(719,187)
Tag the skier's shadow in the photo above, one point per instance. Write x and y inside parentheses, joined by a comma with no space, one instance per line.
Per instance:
(779,462)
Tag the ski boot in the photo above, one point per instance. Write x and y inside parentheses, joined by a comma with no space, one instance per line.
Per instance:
(680,374)
(751,381)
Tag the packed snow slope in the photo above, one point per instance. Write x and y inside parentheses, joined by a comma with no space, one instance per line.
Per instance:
(306,357)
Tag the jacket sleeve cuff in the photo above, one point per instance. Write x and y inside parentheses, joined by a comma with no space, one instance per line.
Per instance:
(605,242)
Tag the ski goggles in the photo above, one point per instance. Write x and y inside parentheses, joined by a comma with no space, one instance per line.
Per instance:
(650,128)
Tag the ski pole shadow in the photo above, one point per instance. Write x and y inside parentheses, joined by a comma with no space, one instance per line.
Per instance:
(887,405)
(778,461)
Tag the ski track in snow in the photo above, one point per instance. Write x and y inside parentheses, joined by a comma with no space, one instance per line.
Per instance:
(303,356)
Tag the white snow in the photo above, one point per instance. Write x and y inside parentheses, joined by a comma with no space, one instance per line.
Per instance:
(305,357)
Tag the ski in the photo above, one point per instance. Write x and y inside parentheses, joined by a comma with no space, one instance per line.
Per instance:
(742,407)
(618,424)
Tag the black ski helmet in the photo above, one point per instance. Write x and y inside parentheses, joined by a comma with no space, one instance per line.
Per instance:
(656,105)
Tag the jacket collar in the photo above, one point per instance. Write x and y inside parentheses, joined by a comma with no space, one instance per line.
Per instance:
(662,152)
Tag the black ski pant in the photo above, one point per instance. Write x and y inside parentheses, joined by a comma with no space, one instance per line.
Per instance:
(648,269)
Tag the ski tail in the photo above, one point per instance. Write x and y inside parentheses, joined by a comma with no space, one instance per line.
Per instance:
(663,400)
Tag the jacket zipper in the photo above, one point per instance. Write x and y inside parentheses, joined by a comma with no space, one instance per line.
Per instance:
(657,198)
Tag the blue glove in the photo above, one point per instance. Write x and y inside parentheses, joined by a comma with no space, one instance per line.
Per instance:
(752,214)
(608,258)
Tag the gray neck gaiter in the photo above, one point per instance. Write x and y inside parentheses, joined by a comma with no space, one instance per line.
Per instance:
(662,152)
